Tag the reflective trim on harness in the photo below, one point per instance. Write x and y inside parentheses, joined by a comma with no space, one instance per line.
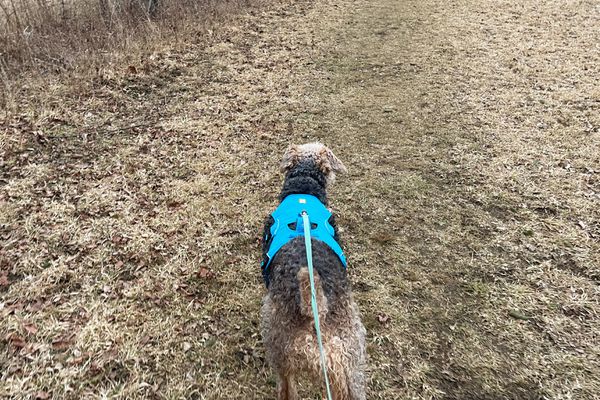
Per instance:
(288,224)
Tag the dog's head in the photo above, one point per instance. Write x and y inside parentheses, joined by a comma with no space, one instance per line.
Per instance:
(317,152)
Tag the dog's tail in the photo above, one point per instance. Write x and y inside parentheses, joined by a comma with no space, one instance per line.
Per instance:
(305,295)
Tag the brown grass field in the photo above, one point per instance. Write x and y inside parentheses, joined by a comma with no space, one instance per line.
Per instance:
(53,36)
(132,196)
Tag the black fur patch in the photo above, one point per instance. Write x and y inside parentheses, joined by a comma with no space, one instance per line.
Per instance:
(305,178)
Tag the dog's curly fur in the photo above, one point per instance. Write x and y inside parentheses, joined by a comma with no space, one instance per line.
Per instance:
(287,322)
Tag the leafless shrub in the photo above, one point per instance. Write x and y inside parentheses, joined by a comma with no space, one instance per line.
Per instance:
(56,34)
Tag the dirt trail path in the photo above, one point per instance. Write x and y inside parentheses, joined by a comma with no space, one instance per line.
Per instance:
(474,198)
(470,212)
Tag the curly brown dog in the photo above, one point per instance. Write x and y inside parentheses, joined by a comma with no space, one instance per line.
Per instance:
(287,323)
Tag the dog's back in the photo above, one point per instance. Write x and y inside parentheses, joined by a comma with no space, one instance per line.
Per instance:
(292,258)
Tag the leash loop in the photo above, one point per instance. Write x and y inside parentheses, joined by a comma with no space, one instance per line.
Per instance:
(313,292)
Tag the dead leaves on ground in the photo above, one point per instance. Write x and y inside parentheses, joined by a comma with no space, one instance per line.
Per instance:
(42,395)
(383,319)
(30,328)
(205,273)
(383,238)
(16,340)
(4,279)
(63,342)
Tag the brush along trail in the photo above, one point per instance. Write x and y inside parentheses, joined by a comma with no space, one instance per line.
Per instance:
(132,201)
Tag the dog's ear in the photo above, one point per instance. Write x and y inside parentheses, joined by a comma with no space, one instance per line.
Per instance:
(290,158)
(330,163)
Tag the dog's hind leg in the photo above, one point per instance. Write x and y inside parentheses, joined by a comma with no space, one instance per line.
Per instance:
(346,373)
(339,387)
(346,388)
(356,386)
(286,387)
(336,371)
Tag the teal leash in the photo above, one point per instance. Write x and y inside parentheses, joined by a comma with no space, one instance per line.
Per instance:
(315,310)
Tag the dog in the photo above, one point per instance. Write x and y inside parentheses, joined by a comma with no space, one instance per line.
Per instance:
(287,321)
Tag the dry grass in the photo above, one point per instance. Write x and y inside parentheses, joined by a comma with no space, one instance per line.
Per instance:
(84,35)
(131,202)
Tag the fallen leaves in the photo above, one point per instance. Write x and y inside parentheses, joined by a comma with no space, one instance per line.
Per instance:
(4,279)
(35,307)
(383,237)
(42,395)
(79,359)
(518,315)
(205,273)
(233,260)
(63,342)
(16,340)
(383,319)
(174,204)
(30,328)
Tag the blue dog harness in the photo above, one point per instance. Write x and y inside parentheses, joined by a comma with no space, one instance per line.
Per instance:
(288,225)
